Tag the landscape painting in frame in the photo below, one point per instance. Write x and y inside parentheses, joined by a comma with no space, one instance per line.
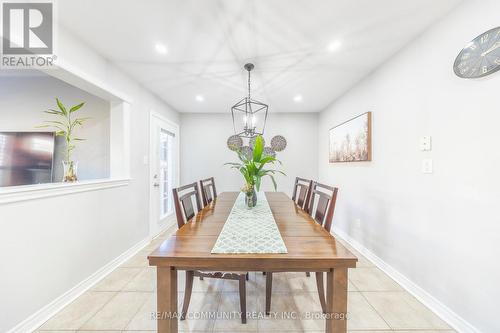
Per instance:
(351,140)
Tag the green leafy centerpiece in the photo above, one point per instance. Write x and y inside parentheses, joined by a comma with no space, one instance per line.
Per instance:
(65,124)
(252,169)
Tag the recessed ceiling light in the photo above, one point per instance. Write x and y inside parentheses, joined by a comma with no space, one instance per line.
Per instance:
(161,48)
(334,46)
(297,98)
(199,98)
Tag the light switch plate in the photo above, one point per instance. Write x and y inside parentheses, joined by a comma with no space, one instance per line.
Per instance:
(426,143)
(427,165)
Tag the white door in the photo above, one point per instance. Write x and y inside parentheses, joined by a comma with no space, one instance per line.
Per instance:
(164,172)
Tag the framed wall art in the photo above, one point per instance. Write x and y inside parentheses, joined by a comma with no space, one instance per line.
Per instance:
(351,140)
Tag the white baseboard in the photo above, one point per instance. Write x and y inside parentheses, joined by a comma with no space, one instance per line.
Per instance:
(41,316)
(170,223)
(445,313)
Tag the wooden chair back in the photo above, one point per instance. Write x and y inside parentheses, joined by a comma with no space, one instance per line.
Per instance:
(325,196)
(208,191)
(183,202)
(302,192)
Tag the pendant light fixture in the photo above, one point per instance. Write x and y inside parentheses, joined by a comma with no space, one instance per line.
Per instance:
(250,113)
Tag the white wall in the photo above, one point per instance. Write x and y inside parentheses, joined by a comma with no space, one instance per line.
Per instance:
(48,246)
(204,150)
(440,230)
(22,100)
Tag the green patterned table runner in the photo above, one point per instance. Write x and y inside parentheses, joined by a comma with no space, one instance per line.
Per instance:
(250,230)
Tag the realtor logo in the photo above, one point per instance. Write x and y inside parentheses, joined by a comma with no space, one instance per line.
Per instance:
(28,34)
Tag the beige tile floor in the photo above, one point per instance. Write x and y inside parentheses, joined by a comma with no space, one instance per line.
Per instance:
(125,300)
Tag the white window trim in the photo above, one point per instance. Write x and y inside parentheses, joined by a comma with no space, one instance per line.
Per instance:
(30,192)
(168,215)
(176,173)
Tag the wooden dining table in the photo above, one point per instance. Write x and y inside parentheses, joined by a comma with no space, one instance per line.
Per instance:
(310,249)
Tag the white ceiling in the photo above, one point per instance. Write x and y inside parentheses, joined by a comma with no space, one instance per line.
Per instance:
(209,41)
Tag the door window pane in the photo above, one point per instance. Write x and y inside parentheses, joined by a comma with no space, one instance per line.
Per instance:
(167,171)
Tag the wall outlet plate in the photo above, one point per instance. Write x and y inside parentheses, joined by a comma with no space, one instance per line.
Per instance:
(426,143)
(427,165)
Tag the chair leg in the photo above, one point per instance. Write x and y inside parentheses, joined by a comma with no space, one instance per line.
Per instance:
(321,290)
(243,298)
(269,290)
(247,276)
(187,293)
(308,274)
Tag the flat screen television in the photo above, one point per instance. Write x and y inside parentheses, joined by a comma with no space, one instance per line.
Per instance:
(26,158)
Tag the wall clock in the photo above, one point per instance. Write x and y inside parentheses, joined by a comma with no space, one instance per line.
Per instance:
(480,57)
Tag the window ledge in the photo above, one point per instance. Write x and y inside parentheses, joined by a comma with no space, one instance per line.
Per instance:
(32,192)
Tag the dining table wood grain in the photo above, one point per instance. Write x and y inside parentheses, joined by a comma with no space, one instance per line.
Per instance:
(310,249)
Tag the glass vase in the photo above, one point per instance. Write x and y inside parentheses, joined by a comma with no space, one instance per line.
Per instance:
(251,199)
(70,169)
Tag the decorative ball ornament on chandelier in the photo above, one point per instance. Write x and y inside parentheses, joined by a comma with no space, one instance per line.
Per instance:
(234,142)
(278,143)
(249,112)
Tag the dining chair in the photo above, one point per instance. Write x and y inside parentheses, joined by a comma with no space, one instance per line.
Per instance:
(185,211)
(207,186)
(302,192)
(208,191)
(321,208)
(323,211)
(301,195)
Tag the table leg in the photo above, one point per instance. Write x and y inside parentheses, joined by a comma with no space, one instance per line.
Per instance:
(336,301)
(166,299)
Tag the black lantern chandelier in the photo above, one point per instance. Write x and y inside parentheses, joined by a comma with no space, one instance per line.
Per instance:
(251,113)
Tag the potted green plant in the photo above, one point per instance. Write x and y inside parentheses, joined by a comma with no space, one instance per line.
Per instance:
(252,169)
(65,124)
